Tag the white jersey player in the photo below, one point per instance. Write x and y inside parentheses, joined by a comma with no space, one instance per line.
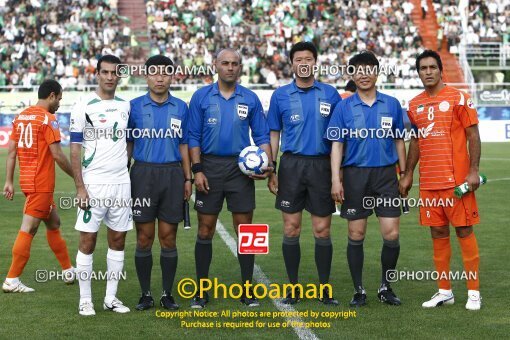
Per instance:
(102,182)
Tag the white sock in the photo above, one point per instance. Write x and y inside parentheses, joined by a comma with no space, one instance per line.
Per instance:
(445,291)
(84,272)
(12,280)
(115,264)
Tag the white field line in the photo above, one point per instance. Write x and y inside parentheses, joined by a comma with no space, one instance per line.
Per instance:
(261,277)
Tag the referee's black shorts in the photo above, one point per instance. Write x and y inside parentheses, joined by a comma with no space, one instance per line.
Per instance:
(225,181)
(163,186)
(362,188)
(304,182)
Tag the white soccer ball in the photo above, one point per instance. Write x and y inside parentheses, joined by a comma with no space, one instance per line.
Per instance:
(252,160)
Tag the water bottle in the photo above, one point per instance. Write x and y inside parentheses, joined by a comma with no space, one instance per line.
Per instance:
(463,188)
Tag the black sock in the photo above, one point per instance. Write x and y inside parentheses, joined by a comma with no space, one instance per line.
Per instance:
(389,257)
(168,262)
(143,264)
(203,257)
(323,257)
(247,262)
(355,258)
(292,257)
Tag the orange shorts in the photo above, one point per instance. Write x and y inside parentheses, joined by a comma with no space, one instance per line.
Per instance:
(39,204)
(441,208)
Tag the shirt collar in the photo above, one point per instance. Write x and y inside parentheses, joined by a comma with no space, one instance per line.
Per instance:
(148,100)
(295,88)
(216,91)
(357,100)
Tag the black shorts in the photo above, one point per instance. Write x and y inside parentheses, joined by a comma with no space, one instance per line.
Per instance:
(304,182)
(163,185)
(225,181)
(363,186)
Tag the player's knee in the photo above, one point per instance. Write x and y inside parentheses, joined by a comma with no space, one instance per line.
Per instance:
(144,241)
(205,233)
(167,240)
(87,242)
(356,235)
(322,233)
(291,229)
(439,232)
(463,231)
(391,235)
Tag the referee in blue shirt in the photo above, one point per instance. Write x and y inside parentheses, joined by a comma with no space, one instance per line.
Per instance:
(158,142)
(369,171)
(300,113)
(221,116)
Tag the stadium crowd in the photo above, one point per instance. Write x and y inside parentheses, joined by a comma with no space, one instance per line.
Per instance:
(488,21)
(65,38)
(190,31)
(61,39)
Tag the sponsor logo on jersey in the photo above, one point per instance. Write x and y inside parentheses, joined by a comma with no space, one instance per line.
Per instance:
(212,121)
(295,118)
(325,109)
(242,111)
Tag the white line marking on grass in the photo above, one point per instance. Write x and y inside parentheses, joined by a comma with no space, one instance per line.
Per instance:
(261,277)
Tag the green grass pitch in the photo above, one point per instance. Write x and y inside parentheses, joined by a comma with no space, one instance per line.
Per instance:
(52,311)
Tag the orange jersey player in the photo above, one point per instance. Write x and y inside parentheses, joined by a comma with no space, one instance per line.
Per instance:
(35,139)
(448,128)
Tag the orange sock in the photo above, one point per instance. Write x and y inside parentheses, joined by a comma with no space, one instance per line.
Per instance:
(59,247)
(442,254)
(471,258)
(20,254)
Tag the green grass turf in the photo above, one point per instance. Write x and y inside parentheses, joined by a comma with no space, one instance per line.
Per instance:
(52,311)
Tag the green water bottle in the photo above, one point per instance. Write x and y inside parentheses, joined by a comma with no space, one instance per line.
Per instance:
(463,188)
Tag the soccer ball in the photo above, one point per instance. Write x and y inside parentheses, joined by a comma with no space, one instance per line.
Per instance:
(252,160)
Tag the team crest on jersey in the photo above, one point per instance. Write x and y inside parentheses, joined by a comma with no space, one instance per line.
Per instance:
(54,124)
(420,108)
(242,111)
(386,122)
(102,118)
(470,103)
(175,124)
(444,106)
(325,109)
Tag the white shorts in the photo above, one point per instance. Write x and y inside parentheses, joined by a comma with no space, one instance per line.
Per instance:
(109,203)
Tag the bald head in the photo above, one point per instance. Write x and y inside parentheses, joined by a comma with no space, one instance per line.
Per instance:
(228,65)
(228,53)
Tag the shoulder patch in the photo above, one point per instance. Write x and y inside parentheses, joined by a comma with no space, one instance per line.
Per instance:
(54,124)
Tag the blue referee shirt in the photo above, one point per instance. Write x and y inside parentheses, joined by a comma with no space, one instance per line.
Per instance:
(157,129)
(221,126)
(303,116)
(353,115)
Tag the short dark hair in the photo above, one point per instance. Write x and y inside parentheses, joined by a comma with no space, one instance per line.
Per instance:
(429,54)
(303,46)
(107,58)
(158,60)
(48,87)
(364,58)
(350,86)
